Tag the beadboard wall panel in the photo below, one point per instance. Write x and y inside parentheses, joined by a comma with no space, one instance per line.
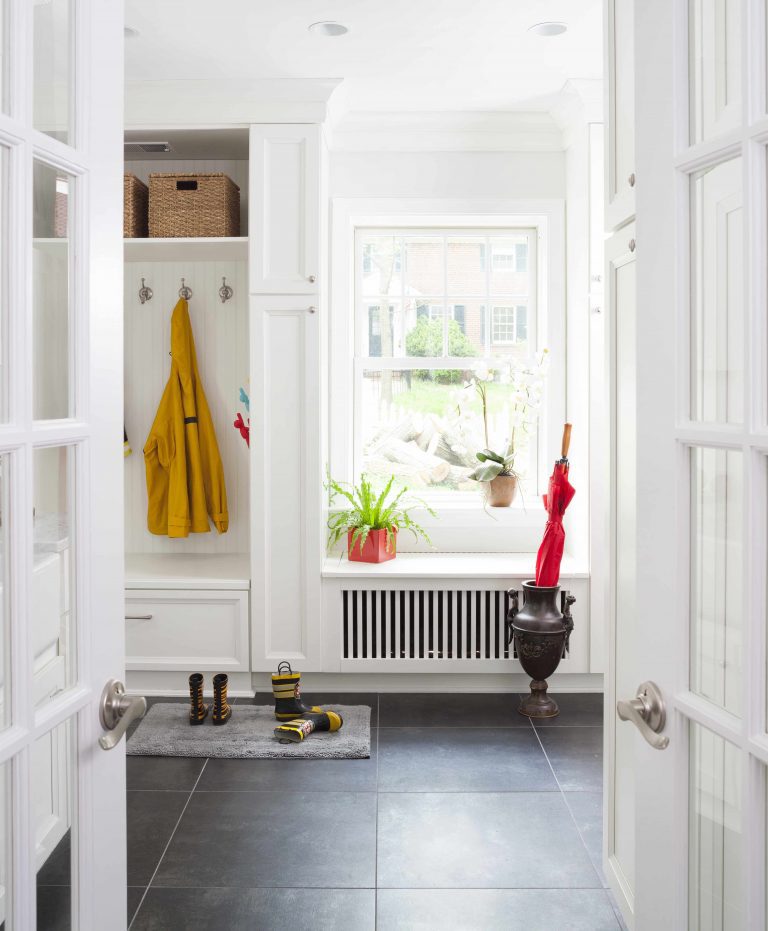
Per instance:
(221,340)
(237,169)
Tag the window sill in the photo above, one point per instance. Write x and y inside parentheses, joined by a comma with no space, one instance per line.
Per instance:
(449,565)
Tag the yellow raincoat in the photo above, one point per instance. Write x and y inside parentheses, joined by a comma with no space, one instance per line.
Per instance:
(185,477)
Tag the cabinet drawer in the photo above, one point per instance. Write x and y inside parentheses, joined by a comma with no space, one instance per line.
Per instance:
(193,631)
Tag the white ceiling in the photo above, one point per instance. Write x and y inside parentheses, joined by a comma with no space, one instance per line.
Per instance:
(399,55)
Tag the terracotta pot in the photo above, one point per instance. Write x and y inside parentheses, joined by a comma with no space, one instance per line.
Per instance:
(502,491)
(375,549)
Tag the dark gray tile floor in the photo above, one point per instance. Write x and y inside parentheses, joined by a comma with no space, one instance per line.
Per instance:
(466,817)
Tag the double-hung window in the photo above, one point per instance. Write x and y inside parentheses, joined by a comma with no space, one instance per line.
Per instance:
(435,309)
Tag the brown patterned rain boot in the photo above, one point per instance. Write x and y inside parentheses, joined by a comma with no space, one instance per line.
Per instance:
(286,689)
(222,712)
(198,711)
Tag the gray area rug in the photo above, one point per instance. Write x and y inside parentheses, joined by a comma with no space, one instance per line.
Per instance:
(248,735)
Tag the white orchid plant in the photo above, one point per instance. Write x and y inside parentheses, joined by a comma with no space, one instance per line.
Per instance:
(517,418)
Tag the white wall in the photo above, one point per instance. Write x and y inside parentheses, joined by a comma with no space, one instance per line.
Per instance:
(221,341)
(447,174)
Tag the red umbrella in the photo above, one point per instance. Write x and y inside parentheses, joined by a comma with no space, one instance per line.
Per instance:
(556,501)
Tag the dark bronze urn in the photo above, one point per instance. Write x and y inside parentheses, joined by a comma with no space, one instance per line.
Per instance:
(541,630)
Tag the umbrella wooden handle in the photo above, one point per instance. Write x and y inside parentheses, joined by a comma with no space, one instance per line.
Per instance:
(566,441)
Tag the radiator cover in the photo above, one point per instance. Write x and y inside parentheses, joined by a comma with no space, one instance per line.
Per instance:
(424,624)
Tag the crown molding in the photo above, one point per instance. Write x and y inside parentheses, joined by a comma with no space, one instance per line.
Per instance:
(579,102)
(446,131)
(227,102)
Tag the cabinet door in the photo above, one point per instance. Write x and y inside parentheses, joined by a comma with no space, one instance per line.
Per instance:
(286,476)
(285,209)
(620,112)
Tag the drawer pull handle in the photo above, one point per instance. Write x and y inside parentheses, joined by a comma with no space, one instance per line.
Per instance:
(139,617)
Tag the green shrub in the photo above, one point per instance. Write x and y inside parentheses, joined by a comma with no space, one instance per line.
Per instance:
(426,339)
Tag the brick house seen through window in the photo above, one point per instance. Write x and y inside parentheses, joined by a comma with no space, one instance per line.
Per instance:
(450,298)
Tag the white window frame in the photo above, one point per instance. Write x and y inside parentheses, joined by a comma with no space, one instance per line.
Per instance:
(462,526)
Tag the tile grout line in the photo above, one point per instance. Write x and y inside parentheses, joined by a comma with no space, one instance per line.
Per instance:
(165,849)
(568,807)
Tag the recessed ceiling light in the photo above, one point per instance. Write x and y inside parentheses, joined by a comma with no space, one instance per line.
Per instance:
(130,33)
(328,29)
(548,29)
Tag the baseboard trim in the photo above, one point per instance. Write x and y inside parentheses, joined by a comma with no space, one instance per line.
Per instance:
(174,684)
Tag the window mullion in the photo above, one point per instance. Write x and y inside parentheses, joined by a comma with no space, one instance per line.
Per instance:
(487,307)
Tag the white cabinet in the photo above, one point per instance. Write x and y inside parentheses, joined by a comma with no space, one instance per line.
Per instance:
(187,631)
(285,185)
(286,481)
(620,112)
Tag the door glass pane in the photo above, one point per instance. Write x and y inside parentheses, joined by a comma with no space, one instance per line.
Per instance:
(716,576)
(5,845)
(715,890)
(717,296)
(53,782)
(52,68)
(52,592)
(715,67)
(5,659)
(4,161)
(51,285)
(4,58)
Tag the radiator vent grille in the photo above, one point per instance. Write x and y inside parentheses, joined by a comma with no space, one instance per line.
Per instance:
(424,624)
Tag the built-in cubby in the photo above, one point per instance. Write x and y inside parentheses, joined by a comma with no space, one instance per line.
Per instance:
(187,600)
(243,601)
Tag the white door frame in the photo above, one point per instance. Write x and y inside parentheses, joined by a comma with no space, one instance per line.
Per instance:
(95,159)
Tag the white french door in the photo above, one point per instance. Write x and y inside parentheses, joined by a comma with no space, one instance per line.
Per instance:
(698,495)
(62,798)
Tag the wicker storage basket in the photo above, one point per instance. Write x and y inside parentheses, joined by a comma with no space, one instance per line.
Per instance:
(193,205)
(136,207)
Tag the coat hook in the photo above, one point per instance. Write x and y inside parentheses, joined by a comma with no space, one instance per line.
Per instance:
(145,293)
(184,291)
(225,291)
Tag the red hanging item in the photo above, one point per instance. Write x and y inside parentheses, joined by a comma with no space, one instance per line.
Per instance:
(556,500)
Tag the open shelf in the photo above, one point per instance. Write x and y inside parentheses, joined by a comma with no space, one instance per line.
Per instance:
(187,571)
(200,249)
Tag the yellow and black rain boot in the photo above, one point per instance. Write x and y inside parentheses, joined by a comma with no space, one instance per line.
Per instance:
(286,688)
(299,729)
(222,712)
(198,711)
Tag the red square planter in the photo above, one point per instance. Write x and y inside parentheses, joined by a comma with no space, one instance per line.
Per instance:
(375,548)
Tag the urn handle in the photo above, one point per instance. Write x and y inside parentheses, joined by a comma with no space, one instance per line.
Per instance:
(566,600)
(514,607)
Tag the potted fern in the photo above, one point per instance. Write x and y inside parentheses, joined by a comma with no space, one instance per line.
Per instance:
(371,521)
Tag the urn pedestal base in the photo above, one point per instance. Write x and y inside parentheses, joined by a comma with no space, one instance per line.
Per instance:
(538,704)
